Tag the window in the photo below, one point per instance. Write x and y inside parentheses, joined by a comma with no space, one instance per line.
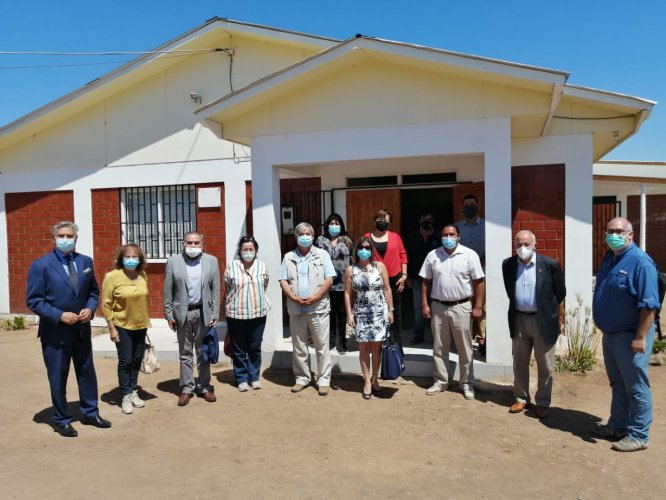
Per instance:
(157,218)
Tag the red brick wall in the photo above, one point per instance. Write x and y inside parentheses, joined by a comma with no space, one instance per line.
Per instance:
(537,199)
(29,220)
(655,237)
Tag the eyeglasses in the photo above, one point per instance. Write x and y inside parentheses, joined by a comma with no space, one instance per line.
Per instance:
(366,247)
(247,239)
(616,231)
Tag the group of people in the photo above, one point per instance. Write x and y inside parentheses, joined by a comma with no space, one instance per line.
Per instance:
(340,288)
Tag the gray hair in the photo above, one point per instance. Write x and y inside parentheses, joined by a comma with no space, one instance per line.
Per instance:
(64,224)
(533,236)
(301,226)
(201,236)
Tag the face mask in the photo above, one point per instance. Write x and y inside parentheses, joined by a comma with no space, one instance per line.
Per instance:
(470,211)
(131,263)
(193,251)
(363,253)
(65,245)
(426,224)
(524,253)
(615,241)
(333,230)
(248,256)
(449,242)
(382,225)
(304,240)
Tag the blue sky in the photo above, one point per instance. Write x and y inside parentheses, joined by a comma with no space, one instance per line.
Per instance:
(615,45)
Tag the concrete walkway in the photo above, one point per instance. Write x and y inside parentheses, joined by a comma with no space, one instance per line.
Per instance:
(418,361)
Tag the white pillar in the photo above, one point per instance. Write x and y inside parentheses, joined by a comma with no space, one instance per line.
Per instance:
(578,219)
(234,214)
(498,247)
(643,216)
(265,220)
(83,219)
(4,257)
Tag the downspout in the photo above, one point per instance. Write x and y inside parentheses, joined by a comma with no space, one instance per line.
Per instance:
(643,215)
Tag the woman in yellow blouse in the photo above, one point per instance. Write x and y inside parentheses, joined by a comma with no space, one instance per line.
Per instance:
(125,308)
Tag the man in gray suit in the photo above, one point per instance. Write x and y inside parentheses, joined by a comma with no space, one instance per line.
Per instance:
(191,306)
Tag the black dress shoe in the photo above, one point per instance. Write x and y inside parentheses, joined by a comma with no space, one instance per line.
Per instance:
(66,430)
(96,421)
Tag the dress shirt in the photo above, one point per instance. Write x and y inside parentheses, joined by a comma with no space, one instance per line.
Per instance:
(452,275)
(193,280)
(474,236)
(526,285)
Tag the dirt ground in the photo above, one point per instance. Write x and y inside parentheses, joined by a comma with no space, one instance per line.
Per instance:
(274,444)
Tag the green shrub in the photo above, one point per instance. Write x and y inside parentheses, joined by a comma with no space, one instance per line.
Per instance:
(582,340)
(17,323)
(659,346)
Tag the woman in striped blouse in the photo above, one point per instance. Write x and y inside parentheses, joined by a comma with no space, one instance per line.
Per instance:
(245,282)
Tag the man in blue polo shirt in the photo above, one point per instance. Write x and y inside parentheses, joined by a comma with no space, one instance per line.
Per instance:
(626,298)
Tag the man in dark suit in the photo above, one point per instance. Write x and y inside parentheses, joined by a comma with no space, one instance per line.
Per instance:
(535,286)
(63,292)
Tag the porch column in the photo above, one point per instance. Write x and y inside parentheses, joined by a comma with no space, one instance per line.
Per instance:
(83,219)
(234,214)
(4,258)
(266,227)
(498,247)
(643,216)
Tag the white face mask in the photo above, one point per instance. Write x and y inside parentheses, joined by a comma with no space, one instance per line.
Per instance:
(248,256)
(524,253)
(193,251)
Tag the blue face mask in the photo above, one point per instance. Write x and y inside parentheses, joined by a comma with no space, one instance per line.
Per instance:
(304,240)
(333,230)
(65,245)
(449,243)
(615,241)
(363,253)
(131,263)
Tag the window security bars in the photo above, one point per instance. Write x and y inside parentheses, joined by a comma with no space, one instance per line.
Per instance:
(157,218)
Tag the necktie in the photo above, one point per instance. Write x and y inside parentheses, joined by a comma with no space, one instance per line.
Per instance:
(73,276)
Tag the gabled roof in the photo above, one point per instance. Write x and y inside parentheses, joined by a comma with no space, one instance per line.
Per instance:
(497,70)
(143,67)
(627,112)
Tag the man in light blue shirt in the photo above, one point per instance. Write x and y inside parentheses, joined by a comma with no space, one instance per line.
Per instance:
(305,277)
(535,286)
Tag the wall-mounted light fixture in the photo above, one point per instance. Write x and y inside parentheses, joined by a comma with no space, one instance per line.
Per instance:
(196,97)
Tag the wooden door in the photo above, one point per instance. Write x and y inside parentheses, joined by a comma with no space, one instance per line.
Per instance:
(362,205)
(478,189)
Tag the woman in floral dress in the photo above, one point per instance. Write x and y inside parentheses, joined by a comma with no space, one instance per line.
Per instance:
(369,306)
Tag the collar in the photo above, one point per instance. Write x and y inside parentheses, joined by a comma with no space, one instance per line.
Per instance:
(532,260)
(62,257)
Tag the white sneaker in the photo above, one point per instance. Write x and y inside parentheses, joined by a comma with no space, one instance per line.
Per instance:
(243,387)
(468,393)
(127,404)
(137,402)
(436,388)
(256,385)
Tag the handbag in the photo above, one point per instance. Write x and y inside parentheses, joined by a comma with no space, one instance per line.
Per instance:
(228,351)
(392,359)
(149,363)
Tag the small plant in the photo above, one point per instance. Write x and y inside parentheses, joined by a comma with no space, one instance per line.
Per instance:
(17,323)
(659,346)
(582,340)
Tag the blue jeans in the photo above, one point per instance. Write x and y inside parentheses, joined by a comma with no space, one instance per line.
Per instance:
(130,353)
(246,336)
(631,398)
(419,320)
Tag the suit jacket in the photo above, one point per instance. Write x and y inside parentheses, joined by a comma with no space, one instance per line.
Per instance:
(550,291)
(175,288)
(50,293)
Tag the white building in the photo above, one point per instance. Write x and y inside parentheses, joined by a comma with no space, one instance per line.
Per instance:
(263,118)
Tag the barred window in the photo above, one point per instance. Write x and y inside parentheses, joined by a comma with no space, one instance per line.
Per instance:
(157,218)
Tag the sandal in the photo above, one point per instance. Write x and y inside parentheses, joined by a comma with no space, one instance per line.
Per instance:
(366,395)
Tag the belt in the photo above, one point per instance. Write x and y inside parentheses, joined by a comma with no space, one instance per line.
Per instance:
(526,313)
(452,302)
(193,307)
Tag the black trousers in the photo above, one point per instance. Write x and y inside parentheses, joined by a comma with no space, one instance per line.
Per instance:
(338,319)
